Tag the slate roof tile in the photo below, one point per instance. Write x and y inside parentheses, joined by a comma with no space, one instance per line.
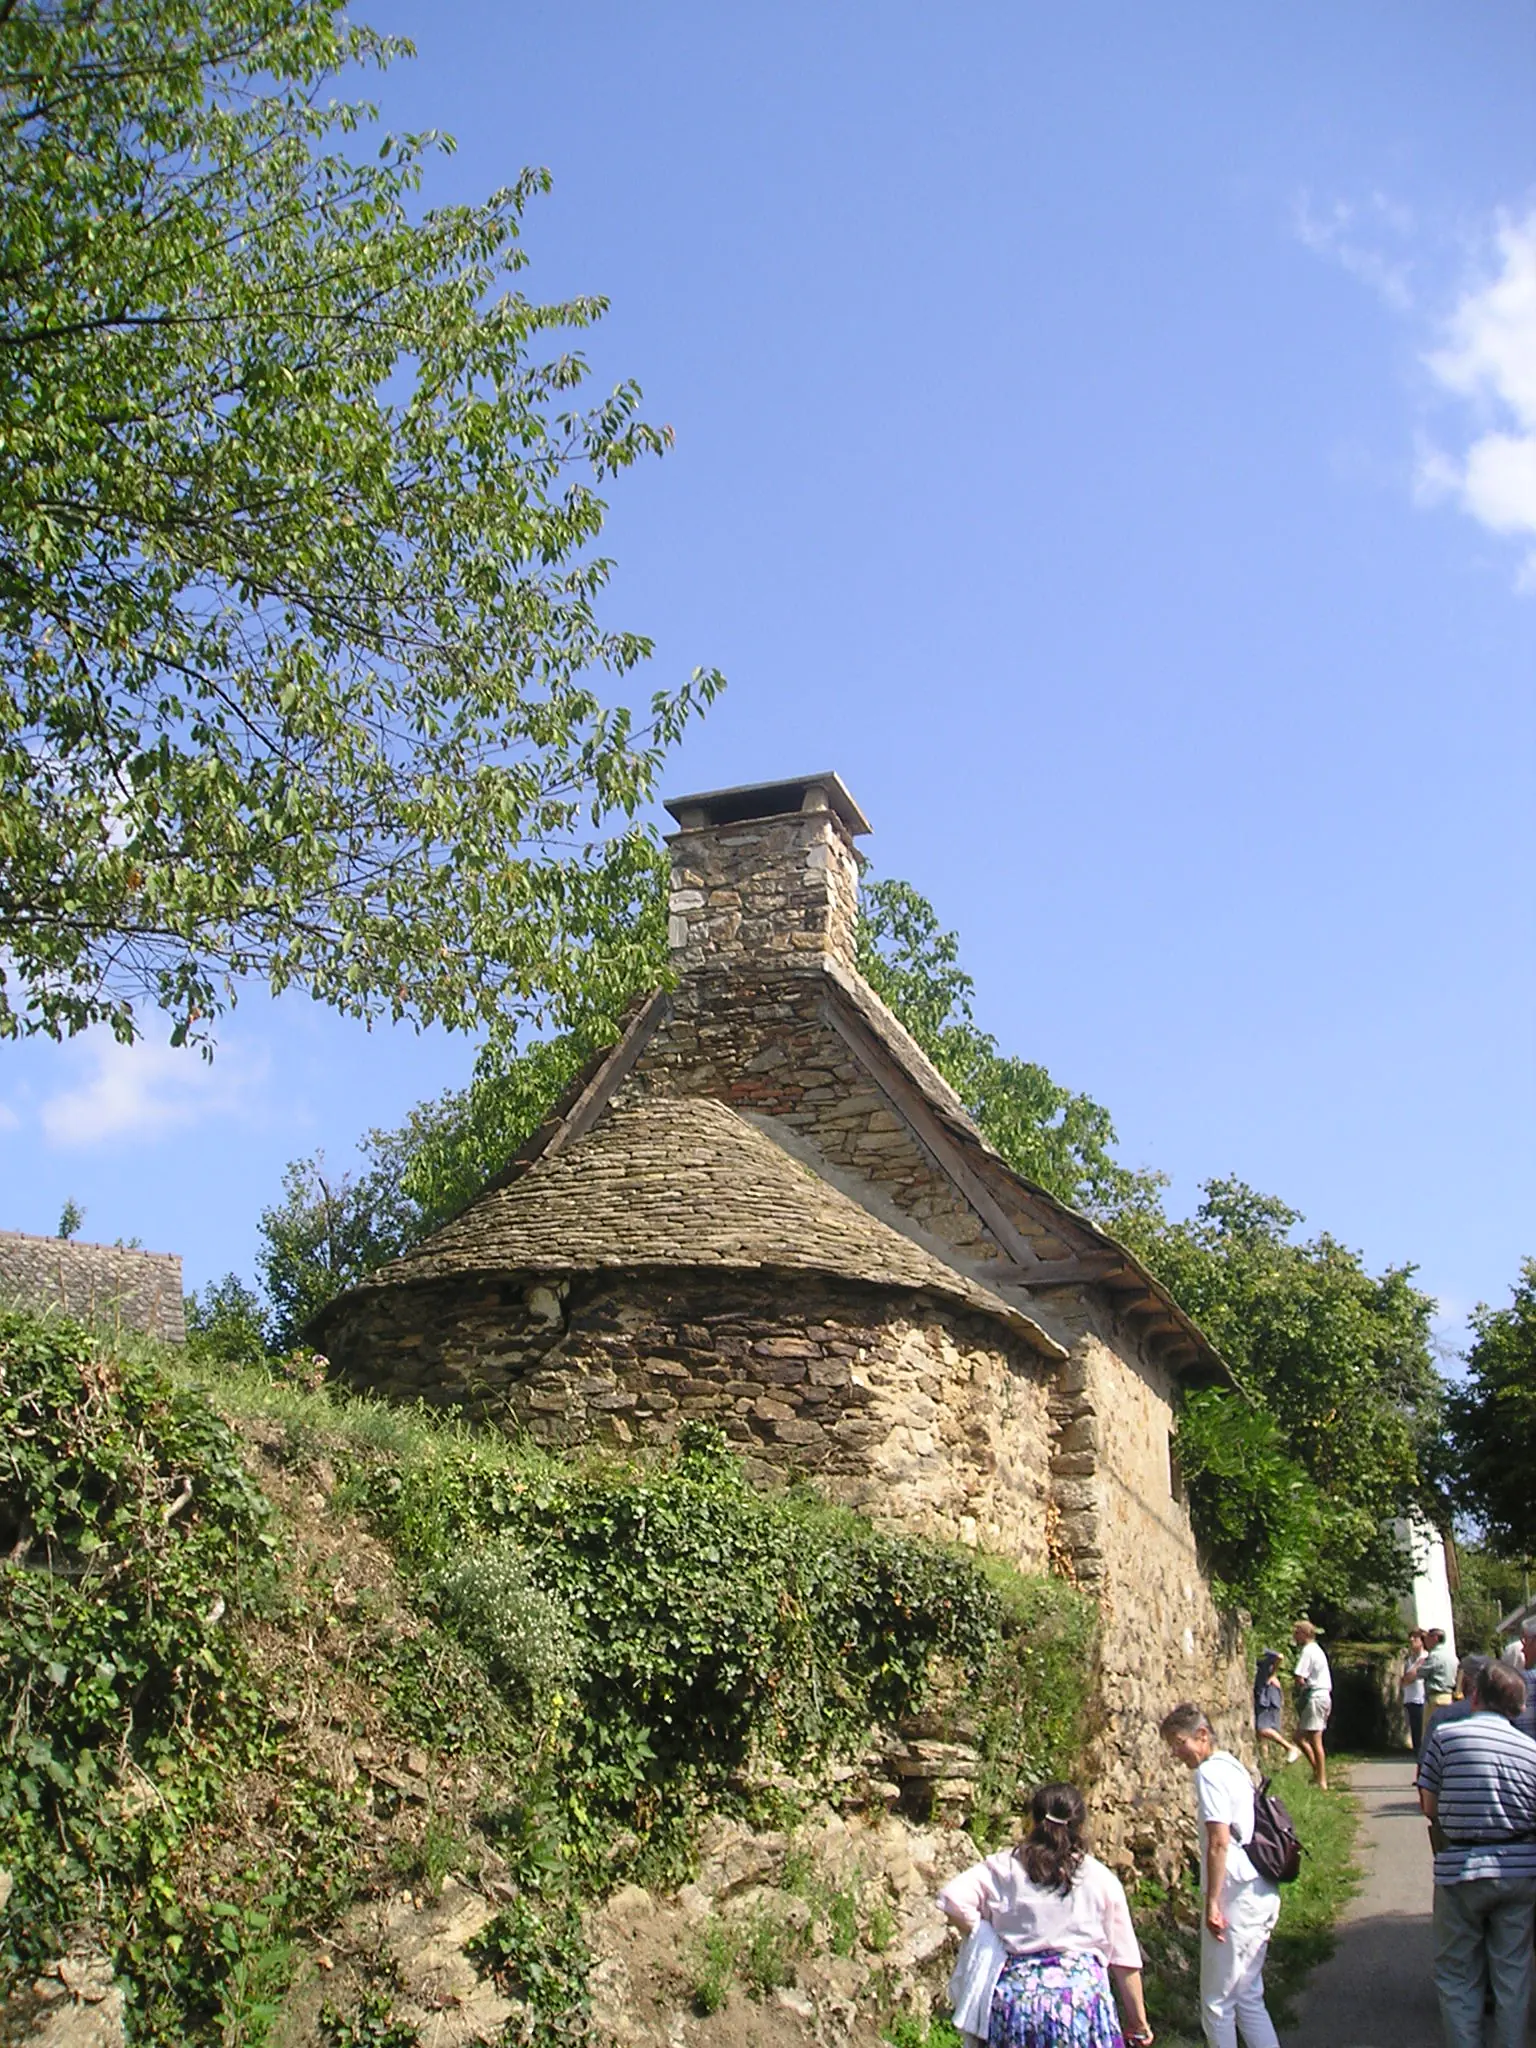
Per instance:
(671,1182)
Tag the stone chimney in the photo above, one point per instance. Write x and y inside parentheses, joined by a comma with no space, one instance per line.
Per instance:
(765,876)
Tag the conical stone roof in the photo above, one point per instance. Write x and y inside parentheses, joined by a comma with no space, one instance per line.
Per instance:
(685,1183)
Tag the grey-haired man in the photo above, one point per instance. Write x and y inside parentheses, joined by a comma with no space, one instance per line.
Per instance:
(1477,1784)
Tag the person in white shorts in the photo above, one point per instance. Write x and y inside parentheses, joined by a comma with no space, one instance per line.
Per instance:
(1240,1907)
(1314,1698)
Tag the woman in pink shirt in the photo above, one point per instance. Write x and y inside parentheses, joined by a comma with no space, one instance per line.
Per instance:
(1062,1918)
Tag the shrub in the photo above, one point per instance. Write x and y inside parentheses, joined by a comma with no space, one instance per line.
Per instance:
(906,2030)
(538,1954)
(130,1536)
(760,1949)
(490,1601)
(226,1324)
(701,1630)
(717,1624)
(1030,1700)
(714,1967)
(372,2024)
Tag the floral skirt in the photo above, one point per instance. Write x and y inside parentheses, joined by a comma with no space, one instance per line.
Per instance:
(1054,2001)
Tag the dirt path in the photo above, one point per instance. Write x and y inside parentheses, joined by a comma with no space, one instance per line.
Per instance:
(1375,1990)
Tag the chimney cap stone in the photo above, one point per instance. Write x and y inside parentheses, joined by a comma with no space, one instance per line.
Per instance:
(769,800)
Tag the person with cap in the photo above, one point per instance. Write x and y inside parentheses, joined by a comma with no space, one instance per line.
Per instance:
(1439,1674)
(1268,1706)
(1314,1699)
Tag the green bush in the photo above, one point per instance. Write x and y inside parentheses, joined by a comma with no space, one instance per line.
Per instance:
(538,1954)
(226,1324)
(490,1601)
(130,1535)
(759,1950)
(714,1967)
(906,2030)
(132,1542)
(371,2024)
(716,1624)
(629,1646)
(1030,1699)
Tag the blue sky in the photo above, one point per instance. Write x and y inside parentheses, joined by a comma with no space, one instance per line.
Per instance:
(1107,436)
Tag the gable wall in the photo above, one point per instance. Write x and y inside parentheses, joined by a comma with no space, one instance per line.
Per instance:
(763,1043)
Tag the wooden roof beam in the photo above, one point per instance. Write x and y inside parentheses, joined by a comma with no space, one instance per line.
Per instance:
(1067,1272)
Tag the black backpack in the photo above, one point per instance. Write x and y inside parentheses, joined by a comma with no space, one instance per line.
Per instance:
(1275,1847)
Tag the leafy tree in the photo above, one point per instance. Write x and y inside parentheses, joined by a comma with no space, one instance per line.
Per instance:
(1338,1356)
(1493,1420)
(447,1149)
(227,1324)
(1061,1141)
(71,1216)
(298,581)
(327,1232)
(331,1229)
(1488,1587)
(1254,1505)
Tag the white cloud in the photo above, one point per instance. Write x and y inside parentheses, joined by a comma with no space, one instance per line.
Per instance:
(1488,348)
(1488,358)
(144,1090)
(1353,236)
(1485,356)
(9,1120)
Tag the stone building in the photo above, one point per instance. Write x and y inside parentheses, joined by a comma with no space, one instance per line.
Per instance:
(764,1205)
(117,1286)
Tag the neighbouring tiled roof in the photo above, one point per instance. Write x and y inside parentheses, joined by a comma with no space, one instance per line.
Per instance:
(685,1183)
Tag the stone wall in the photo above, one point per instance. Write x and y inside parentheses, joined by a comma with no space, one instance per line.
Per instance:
(98,1283)
(928,1418)
(1124,1533)
(931,1418)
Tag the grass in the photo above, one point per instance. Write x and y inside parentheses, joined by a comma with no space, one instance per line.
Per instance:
(1168,1921)
(906,2030)
(714,1968)
(1326,1823)
(758,1951)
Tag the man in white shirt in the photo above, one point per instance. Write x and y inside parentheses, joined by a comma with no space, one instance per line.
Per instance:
(1314,1698)
(1240,1907)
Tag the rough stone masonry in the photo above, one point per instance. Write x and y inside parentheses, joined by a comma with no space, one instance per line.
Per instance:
(763,1205)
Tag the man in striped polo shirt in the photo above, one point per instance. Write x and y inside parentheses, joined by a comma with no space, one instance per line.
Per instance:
(1477,1783)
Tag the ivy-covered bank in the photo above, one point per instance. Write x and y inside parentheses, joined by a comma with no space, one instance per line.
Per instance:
(272,1660)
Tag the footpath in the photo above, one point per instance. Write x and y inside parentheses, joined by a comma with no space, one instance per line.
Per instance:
(1376,1989)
